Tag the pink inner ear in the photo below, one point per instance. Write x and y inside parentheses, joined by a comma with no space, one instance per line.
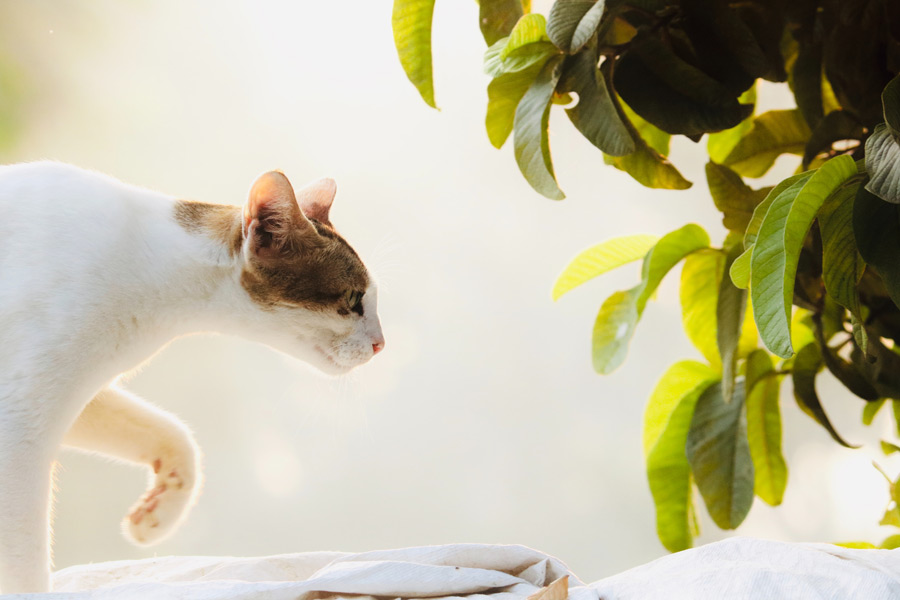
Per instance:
(316,198)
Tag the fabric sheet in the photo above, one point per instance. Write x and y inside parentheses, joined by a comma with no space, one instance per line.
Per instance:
(733,569)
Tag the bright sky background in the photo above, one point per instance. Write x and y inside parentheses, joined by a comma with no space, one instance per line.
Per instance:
(482,421)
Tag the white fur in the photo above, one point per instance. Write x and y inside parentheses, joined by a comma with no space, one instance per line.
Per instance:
(95,277)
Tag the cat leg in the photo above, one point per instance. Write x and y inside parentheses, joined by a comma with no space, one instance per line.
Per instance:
(26,458)
(121,425)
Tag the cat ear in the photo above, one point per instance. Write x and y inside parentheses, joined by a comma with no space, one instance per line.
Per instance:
(272,218)
(315,199)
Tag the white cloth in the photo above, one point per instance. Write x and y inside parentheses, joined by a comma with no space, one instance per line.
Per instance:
(733,569)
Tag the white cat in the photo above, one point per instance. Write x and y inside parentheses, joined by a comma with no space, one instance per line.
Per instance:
(96,276)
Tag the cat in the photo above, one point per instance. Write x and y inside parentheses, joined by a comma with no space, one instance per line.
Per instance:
(96,276)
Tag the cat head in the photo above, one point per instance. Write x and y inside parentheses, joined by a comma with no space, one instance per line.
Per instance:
(314,296)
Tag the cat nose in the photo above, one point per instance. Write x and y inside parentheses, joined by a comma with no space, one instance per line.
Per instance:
(378,346)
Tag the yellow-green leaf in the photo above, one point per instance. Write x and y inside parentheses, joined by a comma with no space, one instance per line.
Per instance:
(601,258)
(764,428)
(620,313)
(497,18)
(773,133)
(700,278)
(667,421)
(411,20)
(530,29)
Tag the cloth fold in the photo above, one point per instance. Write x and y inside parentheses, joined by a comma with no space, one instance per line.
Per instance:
(736,568)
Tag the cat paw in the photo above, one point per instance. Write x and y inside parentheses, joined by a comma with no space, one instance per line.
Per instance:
(161,508)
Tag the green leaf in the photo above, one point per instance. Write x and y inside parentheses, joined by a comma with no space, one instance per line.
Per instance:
(734,199)
(806,366)
(595,115)
(890,103)
(847,373)
(520,59)
(504,94)
(719,455)
(648,164)
(891,542)
(620,313)
(695,102)
(411,21)
(842,266)
(764,428)
(700,279)
(871,409)
(731,309)
(773,133)
(572,23)
(530,29)
(719,144)
(835,126)
(759,213)
(497,18)
(667,421)
(774,262)
(532,146)
(806,80)
(877,231)
(883,165)
(601,258)
(740,269)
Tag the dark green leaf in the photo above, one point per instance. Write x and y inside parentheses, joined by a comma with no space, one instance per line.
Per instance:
(571,23)
(497,18)
(806,366)
(773,133)
(647,164)
(411,20)
(719,144)
(695,103)
(734,199)
(841,264)
(719,455)
(877,231)
(836,126)
(890,103)
(883,165)
(806,79)
(847,373)
(532,146)
(666,424)
(764,428)
(595,115)
(620,313)
(731,308)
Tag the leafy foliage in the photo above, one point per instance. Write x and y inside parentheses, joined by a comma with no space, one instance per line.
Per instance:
(815,259)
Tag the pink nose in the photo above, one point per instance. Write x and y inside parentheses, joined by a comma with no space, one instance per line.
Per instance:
(377,347)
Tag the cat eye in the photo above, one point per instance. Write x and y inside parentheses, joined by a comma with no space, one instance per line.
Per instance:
(354,300)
